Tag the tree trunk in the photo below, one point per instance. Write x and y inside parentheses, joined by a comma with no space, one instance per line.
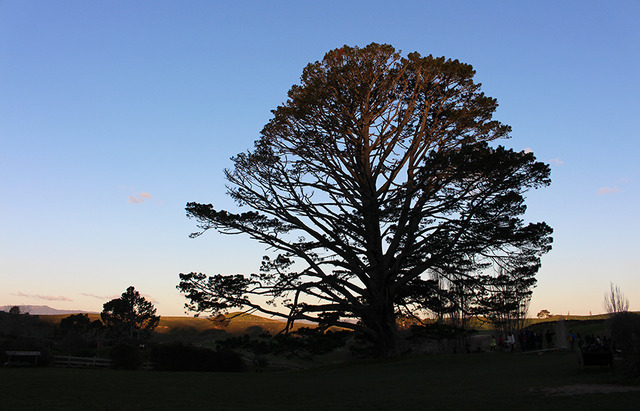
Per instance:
(381,321)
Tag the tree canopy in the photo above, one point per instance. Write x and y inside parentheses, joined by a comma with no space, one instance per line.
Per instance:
(80,323)
(130,316)
(373,183)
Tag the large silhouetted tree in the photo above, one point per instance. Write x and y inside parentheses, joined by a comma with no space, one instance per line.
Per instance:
(373,176)
(130,316)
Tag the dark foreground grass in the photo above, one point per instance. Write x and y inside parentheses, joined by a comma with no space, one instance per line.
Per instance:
(491,381)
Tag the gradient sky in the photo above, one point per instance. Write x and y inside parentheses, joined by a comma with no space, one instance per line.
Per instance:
(115,114)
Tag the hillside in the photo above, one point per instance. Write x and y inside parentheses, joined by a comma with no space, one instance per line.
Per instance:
(40,310)
(253,324)
(239,324)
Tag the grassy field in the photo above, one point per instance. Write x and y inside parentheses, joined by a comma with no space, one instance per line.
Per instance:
(491,381)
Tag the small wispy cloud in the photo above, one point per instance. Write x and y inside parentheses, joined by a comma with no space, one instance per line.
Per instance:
(43,297)
(106,298)
(134,196)
(528,150)
(100,297)
(614,189)
(556,161)
(149,298)
(608,190)
(140,198)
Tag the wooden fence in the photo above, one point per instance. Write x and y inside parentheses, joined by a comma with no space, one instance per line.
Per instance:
(81,362)
(90,362)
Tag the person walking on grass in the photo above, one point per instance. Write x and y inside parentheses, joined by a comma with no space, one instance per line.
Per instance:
(572,339)
(511,339)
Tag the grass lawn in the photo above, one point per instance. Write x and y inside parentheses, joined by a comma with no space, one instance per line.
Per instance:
(491,381)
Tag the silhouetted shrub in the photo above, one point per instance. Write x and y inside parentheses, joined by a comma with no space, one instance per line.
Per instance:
(255,331)
(317,342)
(24,325)
(76,322)
(126,356)
(625,332)
(74,343)
(214,334)
(183,357)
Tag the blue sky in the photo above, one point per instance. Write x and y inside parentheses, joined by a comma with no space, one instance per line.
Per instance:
(114,115)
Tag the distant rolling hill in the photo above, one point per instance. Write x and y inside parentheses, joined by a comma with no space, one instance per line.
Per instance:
(40,310)
(239,323)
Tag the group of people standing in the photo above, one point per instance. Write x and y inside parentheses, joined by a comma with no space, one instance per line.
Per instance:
(590,342)
(528,340)
(502,343)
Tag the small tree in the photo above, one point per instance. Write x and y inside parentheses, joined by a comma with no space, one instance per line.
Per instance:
(506,299)
(81,324)
(544,314)
(130,316)
(78,334)
(75,322)
(614,300)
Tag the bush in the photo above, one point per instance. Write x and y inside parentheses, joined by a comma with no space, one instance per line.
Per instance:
(625,332)
(73,343)
(317,342)
(183,357)
(126,356)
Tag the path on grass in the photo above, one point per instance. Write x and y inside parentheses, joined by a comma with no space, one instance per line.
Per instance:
(579,389)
